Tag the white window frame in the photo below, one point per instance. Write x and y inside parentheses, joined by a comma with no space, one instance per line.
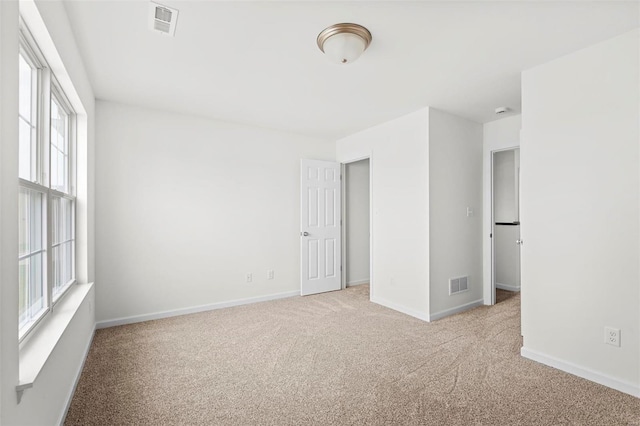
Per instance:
(46,88)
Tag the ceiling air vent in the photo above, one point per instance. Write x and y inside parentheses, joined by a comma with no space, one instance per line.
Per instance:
(162,19)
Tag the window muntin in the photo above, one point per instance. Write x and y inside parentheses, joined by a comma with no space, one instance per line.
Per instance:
(46,197)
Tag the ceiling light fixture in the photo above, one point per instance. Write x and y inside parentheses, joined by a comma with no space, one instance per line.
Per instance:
(344,43)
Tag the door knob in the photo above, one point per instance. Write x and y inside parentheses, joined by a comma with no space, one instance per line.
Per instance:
(519,242)
(304,234)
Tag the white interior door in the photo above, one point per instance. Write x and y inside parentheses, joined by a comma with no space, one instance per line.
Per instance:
(505,220)
(320,234)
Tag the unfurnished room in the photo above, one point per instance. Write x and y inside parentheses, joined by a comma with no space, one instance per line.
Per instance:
(319,212)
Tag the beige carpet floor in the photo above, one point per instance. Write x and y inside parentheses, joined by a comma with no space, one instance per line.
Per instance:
(332,359)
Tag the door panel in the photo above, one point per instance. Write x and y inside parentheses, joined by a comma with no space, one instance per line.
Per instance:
(319,226)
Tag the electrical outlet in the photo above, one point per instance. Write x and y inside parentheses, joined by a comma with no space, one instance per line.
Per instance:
(612,336)
(270,274)
(249,277)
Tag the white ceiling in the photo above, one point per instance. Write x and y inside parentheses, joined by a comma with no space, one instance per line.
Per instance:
(258,63)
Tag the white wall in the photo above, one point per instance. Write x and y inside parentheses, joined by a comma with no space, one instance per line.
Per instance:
(399,161)
(187,206)
(455,184)
(426,169)
(8,203)
(357,221)
(580,259)
(499,134)
(45,403)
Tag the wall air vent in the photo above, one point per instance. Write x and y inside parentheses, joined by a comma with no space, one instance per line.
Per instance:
(162,19)
(458,285)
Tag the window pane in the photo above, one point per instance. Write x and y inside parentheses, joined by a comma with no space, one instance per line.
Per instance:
(36,217)
(69,219)
(32,299)
(62,219)
(22,292)
(55,269)
(62,184)
(63,247)
(59,147)
(32,296)
(36,285)
(23,222)
(25,88)
(27,153)
(27,168)
(62,266)
(31,217)
(55,219)
(54,167)
(70,261)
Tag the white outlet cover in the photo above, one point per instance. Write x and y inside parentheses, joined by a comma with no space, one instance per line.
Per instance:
(612,336)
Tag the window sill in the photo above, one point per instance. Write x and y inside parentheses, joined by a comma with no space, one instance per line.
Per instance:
(37,349)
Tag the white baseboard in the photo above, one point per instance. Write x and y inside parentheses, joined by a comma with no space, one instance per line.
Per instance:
(507,287)
(396,307)
(358,282)
(193,310)
(77,379)
(456,310)
(585,373)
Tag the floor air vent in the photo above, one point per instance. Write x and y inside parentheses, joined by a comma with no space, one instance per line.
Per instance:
(457,285)
(162,19)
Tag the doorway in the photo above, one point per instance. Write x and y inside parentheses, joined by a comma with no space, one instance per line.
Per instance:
(356,223)
(505,191)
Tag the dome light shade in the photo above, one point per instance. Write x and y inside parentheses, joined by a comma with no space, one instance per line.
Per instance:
(344,43)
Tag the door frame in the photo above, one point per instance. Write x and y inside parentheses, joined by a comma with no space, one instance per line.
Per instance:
(343,221)
(493,223)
